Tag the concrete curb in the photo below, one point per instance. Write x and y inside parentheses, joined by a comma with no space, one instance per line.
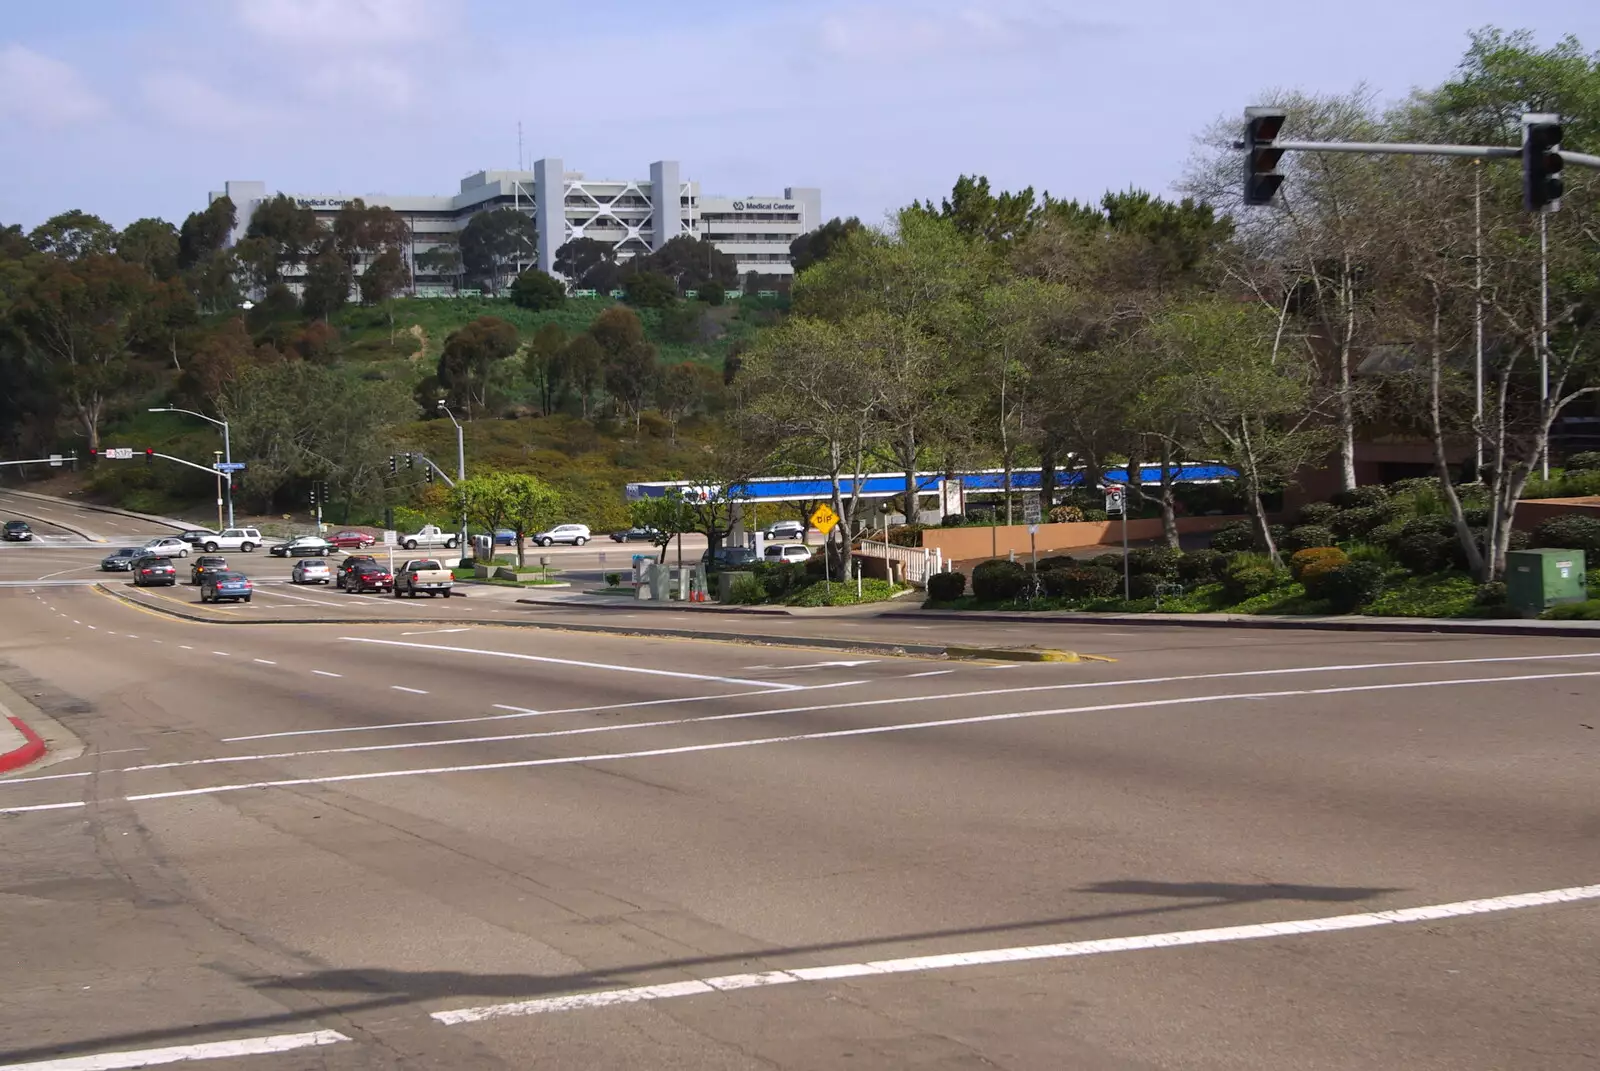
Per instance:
(31,751)
(1024,654)
(169,522)
(1322,624)
(634,605)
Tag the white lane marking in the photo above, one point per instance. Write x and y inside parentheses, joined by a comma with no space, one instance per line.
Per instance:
(224,654)
(432,631)
(724,745)
(322,673)
(929,673)
(518,710)
(122,750)
(44,777)
(403,688)
(64,572)
(521,713)
(1022,954)
(95,627)
(211,1050)
(821,665)
(131,636)
(1007,666)
(263,661)
(568,662)
(185,647)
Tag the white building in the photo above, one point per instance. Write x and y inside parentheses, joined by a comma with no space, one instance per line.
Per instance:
(627,214)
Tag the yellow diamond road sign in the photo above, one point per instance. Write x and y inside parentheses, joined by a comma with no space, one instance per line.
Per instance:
(823,519)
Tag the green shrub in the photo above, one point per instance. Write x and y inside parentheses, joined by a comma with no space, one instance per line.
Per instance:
(947,587)
(1361,497)
(1234,536)
(1574,611)
(1386,535)
(1066,515)
(1301,559)
(1368,552)
(1155,561)
(907,535)
(1082,582)
(747,590)
(1435,525)
(613,580)
(953,520)
(1148,585)
(1110,561)
(1425,552)
(782,579)
(1201,566)
(1476,516)
(1307,536)
(1491,594)
(1057,561)
(998,580)
(1588,461)
(1348,587)
(1096,515)
(1570,531)
(1249,577)
(1567,485)
(1316,513)
(1357,522)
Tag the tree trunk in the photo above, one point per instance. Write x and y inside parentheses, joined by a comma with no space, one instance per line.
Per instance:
(908,458)
(1169,510)
(1258,509)
(1474,554)
(1347,416)
(1047,473)
(89,415)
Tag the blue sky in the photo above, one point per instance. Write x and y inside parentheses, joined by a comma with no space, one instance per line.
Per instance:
(134,109)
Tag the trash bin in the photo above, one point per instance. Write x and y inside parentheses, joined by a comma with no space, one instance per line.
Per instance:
(1539,579)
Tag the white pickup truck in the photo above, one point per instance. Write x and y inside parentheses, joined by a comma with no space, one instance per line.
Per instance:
(429,535)
(241,539)
(425,575)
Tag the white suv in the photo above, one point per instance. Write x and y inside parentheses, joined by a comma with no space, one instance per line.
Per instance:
(240,539)
(167,547)
(787,552)
(576,534)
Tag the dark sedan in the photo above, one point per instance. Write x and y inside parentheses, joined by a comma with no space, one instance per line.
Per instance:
(121,561)
(368,577)
(206,563)
(18,532)
(636,534)
(150,571)
(302,546)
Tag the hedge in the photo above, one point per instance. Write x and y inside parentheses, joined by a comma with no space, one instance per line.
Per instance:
(1571,531)
(947,587)
(1082,582)
(998,580)
(1347,587)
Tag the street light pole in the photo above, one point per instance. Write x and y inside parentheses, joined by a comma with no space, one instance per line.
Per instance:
(227,448)
(461,467)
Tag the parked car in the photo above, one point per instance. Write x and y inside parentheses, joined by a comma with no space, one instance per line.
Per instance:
(787,530)
(311,571)
(786,552)
(576,534)
(727,558)
(368,576)
(349,564)
(151,571)
(352,538)
(167,547)
(429,535)
(196,536)
(206,564)
(630,535)
(18,532)
(241,539)
(309,546)
(121,561)
(235,587)
(425,575)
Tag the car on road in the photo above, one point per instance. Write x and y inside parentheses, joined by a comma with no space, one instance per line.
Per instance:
(727,558)
(636,534)
(425,575)
(349,564)
(151,571)
(504,537)
(786,552)
(235,587)
(309,546)
(429,535)
(196,536)
(787,530)
(205,564)
(311,571)
(368,576)
(352,538)
(121,560)
(575,534)
(241,539)
(18,532)
(167,547)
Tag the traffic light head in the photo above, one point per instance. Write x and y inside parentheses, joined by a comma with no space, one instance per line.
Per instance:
(149,456)
(411,461)
(428,474)
(394,465)
(1541,162)
(1261,154)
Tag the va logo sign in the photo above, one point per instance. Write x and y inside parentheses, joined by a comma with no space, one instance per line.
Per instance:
(738,206)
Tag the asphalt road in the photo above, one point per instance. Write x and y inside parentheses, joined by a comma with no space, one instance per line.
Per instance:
(392,845)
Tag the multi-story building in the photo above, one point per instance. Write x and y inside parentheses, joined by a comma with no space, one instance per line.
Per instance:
(633,216)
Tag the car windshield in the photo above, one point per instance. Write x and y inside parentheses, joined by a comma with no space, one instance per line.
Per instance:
(228,578)
(313,563)
(426,565)
(128,552)
(208,561)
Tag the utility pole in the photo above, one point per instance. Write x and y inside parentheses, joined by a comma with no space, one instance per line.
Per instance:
(461,465)
(218,454)
(227,448)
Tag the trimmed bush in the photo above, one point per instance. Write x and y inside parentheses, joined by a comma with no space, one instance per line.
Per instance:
(1057,561)
(1096,515)
(1348,587)
(1386,535)
(1315,513)
(953,520)
(1082,582)
(1476,516)
(1361,497)
(947,587)
(1491,594)
(1425,552)
(1357,522)
(782,579)
(998,580)
(1301,559)
(1144,585)
(907,535)
(746,590)
(1110,561)
(1307,536)
(1154,561)
(1066,515)
(1201,566)
(1570,531)
(1588,461)
(1234,536)
(1248,578)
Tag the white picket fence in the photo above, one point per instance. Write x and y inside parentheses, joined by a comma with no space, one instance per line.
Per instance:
(916,563)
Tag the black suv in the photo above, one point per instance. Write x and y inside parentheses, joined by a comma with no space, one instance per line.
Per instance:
(348,565)
(151,571)
(18,532)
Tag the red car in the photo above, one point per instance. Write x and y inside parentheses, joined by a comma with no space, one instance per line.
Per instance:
(358,540)
(368,576)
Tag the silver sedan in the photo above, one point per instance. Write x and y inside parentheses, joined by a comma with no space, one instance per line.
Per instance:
(311,571)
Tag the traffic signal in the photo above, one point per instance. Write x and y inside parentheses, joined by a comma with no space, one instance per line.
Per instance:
(1261,175)
(411,461)
(394,465)
(1541,162)
(428,474)
(94,452)
(149,456)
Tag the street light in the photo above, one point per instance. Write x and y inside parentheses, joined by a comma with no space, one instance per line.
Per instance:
(227,449)
(461,464)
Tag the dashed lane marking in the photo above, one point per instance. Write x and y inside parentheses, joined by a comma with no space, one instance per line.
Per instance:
(403,688)
(211,1050)
(264,661)
(325,673)
(1019,954)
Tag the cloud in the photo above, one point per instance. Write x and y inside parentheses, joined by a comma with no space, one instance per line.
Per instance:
(897,32)
(184,100)
(43,92)
(340,23)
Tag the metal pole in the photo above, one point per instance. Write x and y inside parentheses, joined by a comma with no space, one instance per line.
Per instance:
(1127,586)
(227,456)
(218,454)
(1544,337)
(1477,316)
(1402,149)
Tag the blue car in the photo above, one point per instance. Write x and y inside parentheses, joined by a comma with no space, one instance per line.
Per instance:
(504,537)
(235,587)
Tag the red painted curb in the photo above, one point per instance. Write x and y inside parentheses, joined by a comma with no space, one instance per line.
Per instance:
(33,749)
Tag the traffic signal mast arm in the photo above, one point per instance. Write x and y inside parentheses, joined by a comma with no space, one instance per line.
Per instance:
(1413,149)
(428,462)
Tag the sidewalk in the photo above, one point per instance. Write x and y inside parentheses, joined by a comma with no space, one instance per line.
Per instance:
(1329,622)
(19,745)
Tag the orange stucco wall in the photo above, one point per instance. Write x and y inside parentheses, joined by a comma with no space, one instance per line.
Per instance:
(962,544)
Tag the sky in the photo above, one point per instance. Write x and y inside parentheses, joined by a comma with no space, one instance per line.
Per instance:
(139,109)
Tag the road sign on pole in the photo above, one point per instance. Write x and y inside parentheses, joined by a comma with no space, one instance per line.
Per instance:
(1032,513)
(55,461)
(1116,498)
(823,519)
(229,466)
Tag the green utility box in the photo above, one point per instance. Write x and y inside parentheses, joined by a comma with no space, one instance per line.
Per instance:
(1539,579)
